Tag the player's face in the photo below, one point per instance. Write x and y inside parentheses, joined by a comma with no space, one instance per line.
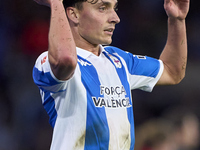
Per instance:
(97,21)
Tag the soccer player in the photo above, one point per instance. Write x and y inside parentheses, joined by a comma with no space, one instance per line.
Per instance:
(86,87)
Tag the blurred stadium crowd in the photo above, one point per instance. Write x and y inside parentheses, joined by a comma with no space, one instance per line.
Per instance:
(166,119)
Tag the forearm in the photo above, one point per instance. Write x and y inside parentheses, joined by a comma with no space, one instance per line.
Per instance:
(174,55)
(62,49)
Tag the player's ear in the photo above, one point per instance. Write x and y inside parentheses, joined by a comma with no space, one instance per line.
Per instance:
(73,14)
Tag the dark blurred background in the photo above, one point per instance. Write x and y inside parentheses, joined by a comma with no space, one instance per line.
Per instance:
(24,29)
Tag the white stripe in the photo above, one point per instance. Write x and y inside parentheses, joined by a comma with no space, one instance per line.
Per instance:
(69,130)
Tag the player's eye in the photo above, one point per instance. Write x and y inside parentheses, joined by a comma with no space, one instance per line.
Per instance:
(102,8)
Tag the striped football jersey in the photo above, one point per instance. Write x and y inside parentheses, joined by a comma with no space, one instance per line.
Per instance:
(93,110)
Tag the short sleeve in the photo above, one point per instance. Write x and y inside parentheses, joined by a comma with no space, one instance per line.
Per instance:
(44,77)
(144,72)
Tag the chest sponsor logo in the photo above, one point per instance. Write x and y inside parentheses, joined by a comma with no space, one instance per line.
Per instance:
(114,97)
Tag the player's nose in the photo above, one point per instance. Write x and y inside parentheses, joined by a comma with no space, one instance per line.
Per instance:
(114,18)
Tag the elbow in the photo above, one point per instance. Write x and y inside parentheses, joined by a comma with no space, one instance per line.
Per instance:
(68,60)
(174,74)
(181,77)
(67,63)
(178,78)
(63,58)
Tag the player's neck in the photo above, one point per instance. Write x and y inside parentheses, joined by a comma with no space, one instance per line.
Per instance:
(94,48)
(84,44)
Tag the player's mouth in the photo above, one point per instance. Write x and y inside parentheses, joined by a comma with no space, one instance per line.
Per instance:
(109,31)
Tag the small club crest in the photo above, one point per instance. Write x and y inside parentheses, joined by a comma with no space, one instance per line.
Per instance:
(116,61)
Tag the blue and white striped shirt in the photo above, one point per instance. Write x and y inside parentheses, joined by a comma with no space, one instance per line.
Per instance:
(93,109)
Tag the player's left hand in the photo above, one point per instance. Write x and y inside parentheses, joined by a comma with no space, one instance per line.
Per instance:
(177,9)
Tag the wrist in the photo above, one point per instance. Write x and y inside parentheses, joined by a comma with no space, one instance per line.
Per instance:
(172,20)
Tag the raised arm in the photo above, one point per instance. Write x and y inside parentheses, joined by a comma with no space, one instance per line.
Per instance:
(174,55)
(62,49)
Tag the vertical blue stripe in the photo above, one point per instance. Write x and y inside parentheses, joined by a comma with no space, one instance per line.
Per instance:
(97,130)
(49,106)
(123,77)
(45,79)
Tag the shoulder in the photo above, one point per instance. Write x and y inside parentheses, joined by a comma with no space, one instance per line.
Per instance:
(42,73)
(41,66)
(42,59)
(127,56)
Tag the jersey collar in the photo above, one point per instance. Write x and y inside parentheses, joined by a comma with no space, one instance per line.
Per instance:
(85,53)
